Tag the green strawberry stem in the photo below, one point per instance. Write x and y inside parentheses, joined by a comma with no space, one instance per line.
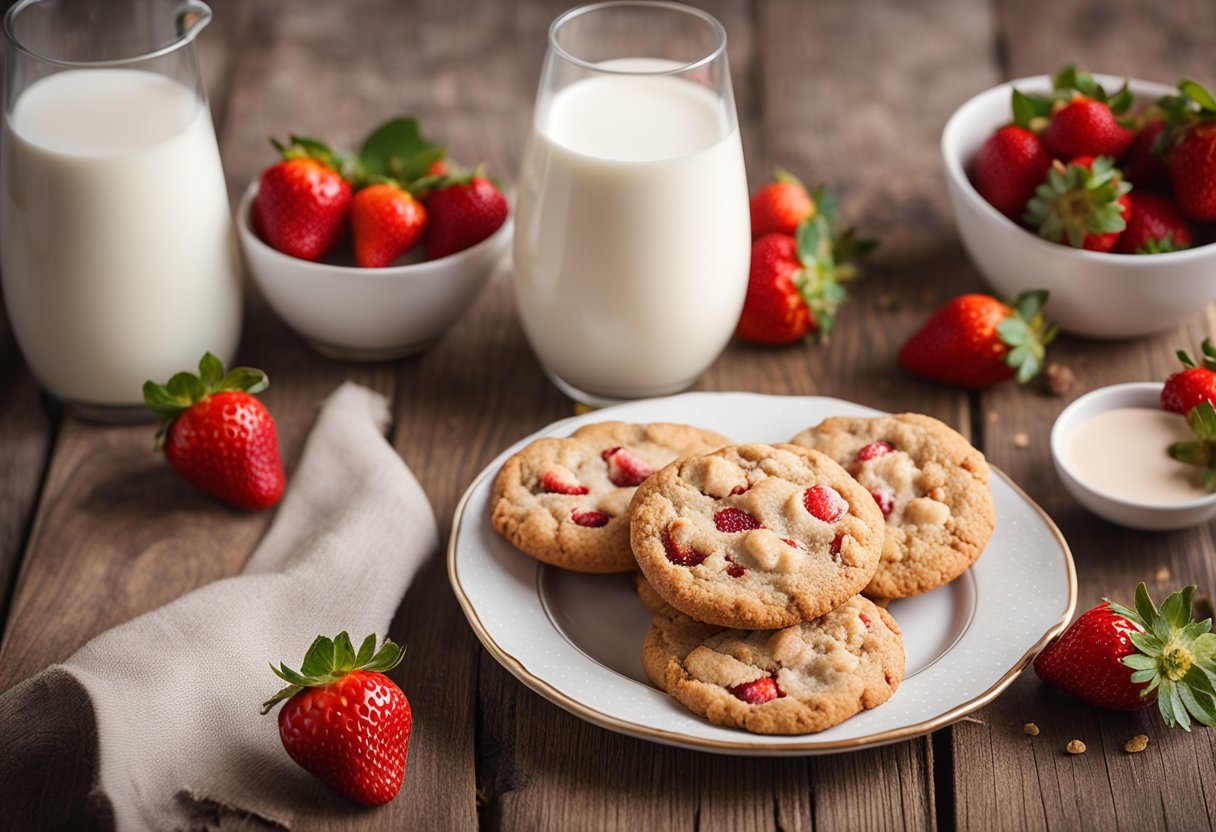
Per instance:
(1209,356)
(328,660)
(1176,658)
(1202,451)
(1077,201)
(826,257)
(186,389)
(1027,333)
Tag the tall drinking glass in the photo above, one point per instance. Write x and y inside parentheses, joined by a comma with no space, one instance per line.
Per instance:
(116,247)
(632,235)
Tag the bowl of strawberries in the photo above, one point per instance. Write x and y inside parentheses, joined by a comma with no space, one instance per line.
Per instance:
(1100,189)
(372,255)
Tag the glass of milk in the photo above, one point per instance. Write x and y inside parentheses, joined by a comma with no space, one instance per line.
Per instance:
(117,256)
(632,236)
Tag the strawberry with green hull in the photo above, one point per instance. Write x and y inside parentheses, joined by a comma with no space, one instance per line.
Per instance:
(795,284)
(1082,118)
(1125,659)
(778,206)
(1084,204)
(345,721)
(1190,144)
(976,341)
(464,209)
(386,222)
(217,436)
(302,202)
(1193,384)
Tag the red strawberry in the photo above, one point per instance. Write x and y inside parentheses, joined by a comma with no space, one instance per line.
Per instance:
(561,481)
(1085,127)
(1141,166)
(302,202)
(1084,204)
(779,206)
(590,519)
(731,520)
(217,436)
(1193,171)
(386,221)
(1156,226)
(775,310)
(624,469)
(345,721)
(824,502)
(1123,659)
(464,210)
(1193,384)
(1010,165)
(757,692)
(976,341)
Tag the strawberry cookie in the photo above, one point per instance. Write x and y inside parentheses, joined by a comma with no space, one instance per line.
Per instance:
(566,501)
(795,680)
(756,536)
(931,486)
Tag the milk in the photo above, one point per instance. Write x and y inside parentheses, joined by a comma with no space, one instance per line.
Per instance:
(118,259)
(632,236)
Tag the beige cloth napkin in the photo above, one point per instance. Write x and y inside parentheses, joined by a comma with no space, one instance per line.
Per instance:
(174,694)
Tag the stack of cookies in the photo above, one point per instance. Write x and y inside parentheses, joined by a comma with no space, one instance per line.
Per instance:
(754,558)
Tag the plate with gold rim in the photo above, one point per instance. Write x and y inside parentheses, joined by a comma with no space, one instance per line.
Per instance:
(576,639)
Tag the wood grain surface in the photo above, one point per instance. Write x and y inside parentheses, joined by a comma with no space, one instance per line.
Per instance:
(95,529)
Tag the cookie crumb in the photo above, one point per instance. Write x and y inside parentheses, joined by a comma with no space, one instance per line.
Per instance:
(1076,747)
(1059,379)
(1021,440)
(1031,729)
(993,417)
(1162,575)
(1136,743)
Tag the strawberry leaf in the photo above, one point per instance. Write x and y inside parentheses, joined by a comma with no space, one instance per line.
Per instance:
(1028,109)
(396,149)
(1197,93)
(366,650)
(344,651)
(319,660)
(330,659)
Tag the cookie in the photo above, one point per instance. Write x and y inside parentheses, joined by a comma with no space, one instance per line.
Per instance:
(565,502)
(651,600)
(931,485)
(755,536)
(795,680)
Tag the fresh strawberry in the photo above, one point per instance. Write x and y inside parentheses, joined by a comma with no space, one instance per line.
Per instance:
(824,502)
(1156,226)
(1123,659)
(345,721)
(1010,165)
(795,284)
(780,205)
(976,341)
(731,520)
(464,210)
(1083,204)
(1190,144)
(1193,384)
(217,436)
(386,221)
(624,469)
(302,202)
(1085,127)
(1143,166)
(561,481)
(757,692)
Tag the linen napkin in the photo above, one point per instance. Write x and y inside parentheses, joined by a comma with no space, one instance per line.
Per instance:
(172,696)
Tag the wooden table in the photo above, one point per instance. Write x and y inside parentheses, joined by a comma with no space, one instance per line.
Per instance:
(95,529)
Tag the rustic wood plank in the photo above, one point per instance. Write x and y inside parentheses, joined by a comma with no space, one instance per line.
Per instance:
(1004,778)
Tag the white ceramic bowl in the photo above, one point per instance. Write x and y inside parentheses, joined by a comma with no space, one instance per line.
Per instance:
(1131,513)
(358,314)
(1096,294)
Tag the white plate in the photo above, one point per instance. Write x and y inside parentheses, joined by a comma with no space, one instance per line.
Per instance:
(576,639)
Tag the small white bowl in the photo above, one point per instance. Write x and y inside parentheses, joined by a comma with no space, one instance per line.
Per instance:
(1122,512)
(355,314)
(1095,294)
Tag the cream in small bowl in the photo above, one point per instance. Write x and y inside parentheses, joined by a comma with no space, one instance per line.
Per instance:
(1110,449)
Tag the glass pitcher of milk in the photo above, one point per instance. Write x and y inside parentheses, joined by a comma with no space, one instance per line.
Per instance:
(632,235)
(117,255)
